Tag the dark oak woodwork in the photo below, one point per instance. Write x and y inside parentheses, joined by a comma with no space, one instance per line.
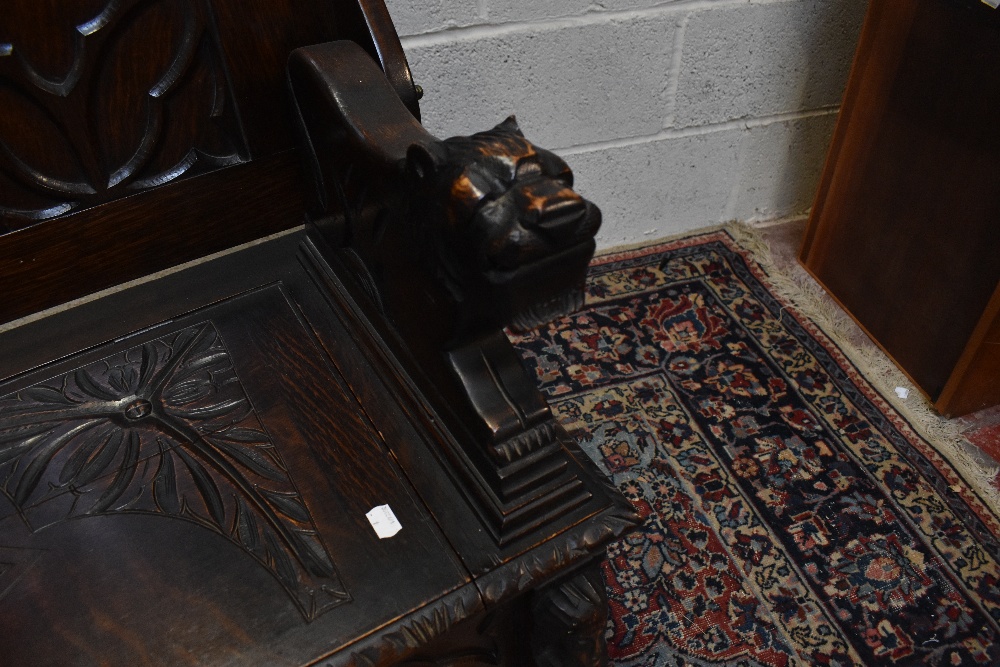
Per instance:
(903,230)
(165,428)
(199,571)
(472,233)
(71,256)
(128,104)
(569,616)
(186,463)
(110,116)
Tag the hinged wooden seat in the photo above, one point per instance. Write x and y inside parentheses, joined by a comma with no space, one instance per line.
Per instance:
(187,459)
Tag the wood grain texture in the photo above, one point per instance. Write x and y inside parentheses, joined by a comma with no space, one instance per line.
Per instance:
(333,467)
(212,596)
(121,123)
(186,464)
(165,428)
(71,256)
(420,440)
(902,232)
(472,233)
(119,117)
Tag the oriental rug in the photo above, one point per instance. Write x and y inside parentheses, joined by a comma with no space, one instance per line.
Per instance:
(792,516)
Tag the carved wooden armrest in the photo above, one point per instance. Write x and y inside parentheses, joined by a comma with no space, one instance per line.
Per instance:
(441,244)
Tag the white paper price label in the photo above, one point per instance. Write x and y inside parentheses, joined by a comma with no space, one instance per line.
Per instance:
(384,521)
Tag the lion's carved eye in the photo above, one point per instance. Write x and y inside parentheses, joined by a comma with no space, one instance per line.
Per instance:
(529,169)
(565,175)
(489,179)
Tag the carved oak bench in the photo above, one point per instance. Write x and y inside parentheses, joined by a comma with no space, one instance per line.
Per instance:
(230,438)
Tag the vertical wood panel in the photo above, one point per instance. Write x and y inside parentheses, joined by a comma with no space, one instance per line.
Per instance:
(903,233)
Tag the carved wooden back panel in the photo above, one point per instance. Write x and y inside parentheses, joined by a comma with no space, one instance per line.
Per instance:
(139,134)
(104,101)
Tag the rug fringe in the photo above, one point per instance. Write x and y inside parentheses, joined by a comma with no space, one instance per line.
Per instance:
(882,374)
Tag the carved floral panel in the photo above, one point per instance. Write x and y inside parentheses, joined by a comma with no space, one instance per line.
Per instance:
(106,98)
(165,429)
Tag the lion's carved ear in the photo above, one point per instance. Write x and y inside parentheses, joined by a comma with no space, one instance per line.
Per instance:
(510,126)
(422,161)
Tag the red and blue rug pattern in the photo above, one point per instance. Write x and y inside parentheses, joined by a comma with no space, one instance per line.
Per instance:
(791,516)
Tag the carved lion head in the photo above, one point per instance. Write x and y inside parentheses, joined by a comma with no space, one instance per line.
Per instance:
(511,236)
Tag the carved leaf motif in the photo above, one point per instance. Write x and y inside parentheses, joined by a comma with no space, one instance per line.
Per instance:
(45,395)
(420,629)
(166,428)
(165,485)
(123,477)
(252,459)
(90,460)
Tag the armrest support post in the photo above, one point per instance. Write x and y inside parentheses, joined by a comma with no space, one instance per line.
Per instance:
(448,242)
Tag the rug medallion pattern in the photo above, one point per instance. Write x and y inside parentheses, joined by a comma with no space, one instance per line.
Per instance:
(791,516)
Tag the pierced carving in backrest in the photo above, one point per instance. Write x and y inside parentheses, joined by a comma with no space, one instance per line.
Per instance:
(105,99)
(136,135)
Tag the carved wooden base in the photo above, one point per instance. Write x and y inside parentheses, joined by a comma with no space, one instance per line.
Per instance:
(559,625)
(569,620)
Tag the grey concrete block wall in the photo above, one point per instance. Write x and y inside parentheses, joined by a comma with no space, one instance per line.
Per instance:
(673,114)
(568,84)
